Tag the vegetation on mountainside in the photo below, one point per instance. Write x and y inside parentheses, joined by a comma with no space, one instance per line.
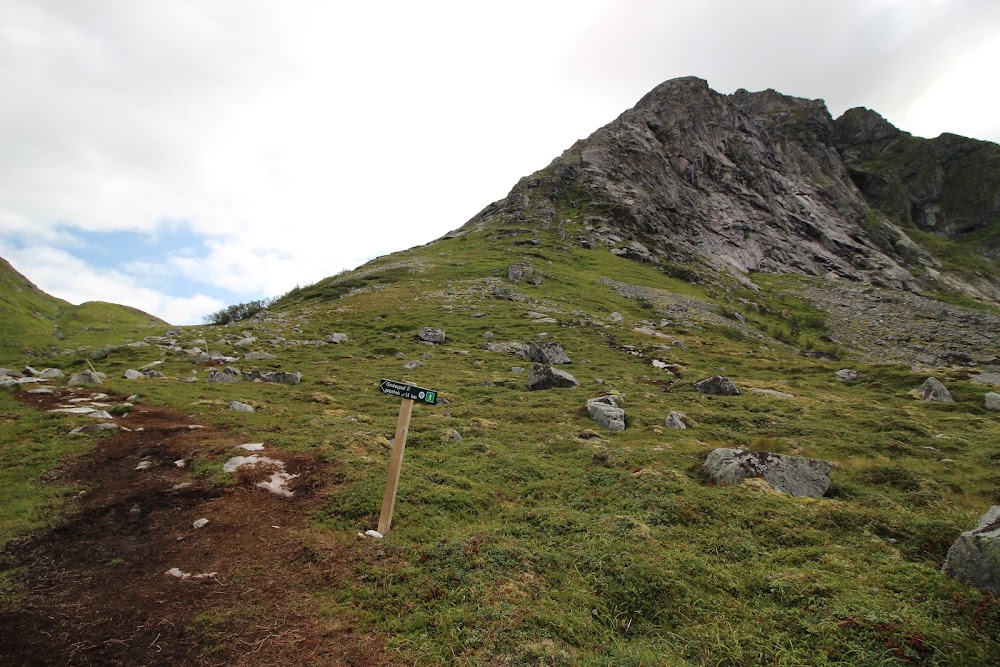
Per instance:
(539,539)
(34,323)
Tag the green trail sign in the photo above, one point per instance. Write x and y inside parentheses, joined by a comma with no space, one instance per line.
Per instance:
(412,392)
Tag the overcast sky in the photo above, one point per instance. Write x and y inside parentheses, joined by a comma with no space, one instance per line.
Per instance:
(182,155)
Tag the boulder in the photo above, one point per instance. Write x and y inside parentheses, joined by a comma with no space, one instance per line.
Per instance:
(547,352)
(131,374)
(847,374)
(337,338)
(605,411)
(244,342)
(153,374)
(279,377)
(201,358)
(546,377)
(518,272)
(7,381)
(793,475)
(227,374)
(717,385)
(240,407)
(933,390)
(992,400)
(676,420)
(84,377)
(410,365)
(615,317)
(974,558)
(431,335)
(258,356)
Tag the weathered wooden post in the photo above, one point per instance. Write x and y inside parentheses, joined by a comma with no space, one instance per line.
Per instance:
(408,393)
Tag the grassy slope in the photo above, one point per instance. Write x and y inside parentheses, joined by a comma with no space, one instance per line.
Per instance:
(30,320)
(532,542)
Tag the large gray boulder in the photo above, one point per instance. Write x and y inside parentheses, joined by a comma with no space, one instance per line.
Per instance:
(974,558)
(676,420)
(518,272)
(84,377)
(933,390)
(547,352)
(717,385)
(431,335)
(546,377)
(793,475)
(606,412)
(992,400)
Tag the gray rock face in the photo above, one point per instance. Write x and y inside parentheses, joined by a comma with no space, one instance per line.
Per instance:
(546,377)
(974,558)
(793,475)
(240,407)
(225,375)
(676,420)
(717,385)
(606,412)
(933,390)
(431,335)
(518,272)
(547,352)
(992,400)
(83,378)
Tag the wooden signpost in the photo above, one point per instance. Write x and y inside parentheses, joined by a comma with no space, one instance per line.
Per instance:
(408,393)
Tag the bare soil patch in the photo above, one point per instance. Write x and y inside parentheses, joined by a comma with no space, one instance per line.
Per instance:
(94,590)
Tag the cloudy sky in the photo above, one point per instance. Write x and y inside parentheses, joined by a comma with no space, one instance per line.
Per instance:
(182,155)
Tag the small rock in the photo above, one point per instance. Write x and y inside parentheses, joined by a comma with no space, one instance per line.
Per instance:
(337,338)
(131,374)
(615,317)
(547,352)
(225,375)
(374,533)
(52,374)
(933,390)
(252,446)
(771,392)
(992,401)
(200,523)
(431,335)
(516,369)
(145,464)
(717,385)
(676,420)
(847,374)
(974,558)
(410,365)
(83,378)
(793,475)
(546,377)
(240,407)
(605,411)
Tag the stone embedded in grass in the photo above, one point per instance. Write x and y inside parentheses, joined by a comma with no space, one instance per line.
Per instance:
(546,377)
(521,271)
(992,400)
(717,385)
(240,407)
(604,410)
(794,475)
(52,374)
(85,377)
(410,365)
(847,374)
(431,335)
(974,558)
(278,377)
(132,374)
(933,390)
(337,338)
(225,375)
(676,420)
(547,352)
(771,392)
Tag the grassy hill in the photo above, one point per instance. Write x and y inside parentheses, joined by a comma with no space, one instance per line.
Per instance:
(33,323)
(534,537)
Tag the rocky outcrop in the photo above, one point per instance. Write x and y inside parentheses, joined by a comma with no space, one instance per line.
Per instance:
(431,335)
(717,385)
(974,558)
(547,352)
(793,475)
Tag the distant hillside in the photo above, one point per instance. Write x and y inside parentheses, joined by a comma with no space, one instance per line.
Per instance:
(34,323)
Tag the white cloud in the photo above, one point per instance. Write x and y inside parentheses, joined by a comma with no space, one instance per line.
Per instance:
(297,139)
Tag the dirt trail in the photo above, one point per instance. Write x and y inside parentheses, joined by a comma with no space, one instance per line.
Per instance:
(94,590)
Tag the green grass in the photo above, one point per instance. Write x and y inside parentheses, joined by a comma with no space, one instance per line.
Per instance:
(533,542)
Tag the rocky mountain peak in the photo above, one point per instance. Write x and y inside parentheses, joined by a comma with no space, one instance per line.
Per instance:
(743,183)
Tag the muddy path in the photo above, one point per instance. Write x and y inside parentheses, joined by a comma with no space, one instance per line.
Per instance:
(126,578)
